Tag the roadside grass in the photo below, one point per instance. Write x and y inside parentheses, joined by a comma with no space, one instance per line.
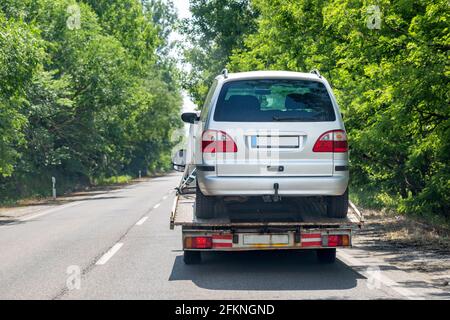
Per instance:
(370,198)
(122,179)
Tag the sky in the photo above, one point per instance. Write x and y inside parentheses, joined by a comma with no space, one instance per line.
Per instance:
(182,7)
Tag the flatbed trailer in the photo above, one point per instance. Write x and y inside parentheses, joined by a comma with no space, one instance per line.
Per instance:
(307,228)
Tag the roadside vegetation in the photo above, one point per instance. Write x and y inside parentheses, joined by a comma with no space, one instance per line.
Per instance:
(389,67)
(87,92)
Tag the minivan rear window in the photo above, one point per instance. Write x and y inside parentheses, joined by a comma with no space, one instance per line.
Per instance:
(274,100)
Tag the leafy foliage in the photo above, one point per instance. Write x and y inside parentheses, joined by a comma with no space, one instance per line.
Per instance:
(217,28)
(82,102)
(20,54)
(392,84)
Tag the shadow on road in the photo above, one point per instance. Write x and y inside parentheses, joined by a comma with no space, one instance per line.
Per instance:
(5,222)
(104,198)
(8,218)
(267,270)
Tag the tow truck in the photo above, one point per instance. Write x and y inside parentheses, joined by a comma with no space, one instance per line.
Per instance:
(288,225)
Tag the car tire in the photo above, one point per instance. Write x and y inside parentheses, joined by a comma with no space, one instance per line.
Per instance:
(192,257)
(204,205)
(326,256)
(337,206)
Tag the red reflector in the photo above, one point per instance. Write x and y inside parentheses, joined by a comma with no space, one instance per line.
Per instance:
(222,241)
(198,242)
(311,240)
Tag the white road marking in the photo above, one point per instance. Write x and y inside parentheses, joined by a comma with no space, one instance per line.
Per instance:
(65,206)
(61,207)
(141,222)
(388,282)
(108,255)
(76,203)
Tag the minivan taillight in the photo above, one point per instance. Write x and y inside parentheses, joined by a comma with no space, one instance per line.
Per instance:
(214,141)
(332,141)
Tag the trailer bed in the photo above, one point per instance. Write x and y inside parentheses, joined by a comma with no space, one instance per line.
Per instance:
(307,214)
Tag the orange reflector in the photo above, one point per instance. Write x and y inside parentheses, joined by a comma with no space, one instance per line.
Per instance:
(198,242)
(345,240)
(188,242)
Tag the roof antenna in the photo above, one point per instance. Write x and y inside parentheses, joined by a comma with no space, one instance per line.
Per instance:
(316,72)
(225,73)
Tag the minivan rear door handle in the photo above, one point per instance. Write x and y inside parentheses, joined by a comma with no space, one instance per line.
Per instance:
(275,168)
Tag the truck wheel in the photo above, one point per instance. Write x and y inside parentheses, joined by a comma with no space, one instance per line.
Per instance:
(337,206)
(192,257)
(204,206)
(326,255)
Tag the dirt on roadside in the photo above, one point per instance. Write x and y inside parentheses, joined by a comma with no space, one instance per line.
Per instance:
(408,244)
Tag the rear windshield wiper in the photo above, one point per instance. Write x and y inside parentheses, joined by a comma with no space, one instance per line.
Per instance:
(276,118)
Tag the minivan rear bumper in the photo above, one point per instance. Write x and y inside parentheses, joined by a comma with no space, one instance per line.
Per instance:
(212,185)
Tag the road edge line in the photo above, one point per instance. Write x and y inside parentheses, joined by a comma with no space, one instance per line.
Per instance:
(385,280)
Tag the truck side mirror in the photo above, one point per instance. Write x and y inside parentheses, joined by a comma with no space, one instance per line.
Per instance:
(189,117)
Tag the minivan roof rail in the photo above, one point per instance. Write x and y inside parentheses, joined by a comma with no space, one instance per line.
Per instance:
(316,72)
(225,73)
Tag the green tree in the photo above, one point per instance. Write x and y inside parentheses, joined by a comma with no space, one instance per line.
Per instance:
(20,55)
(217,28)
(84,93)
(391,82)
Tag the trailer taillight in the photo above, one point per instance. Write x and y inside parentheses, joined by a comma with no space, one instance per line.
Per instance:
(338,240)
(198,242)
(214,141)
(333,241)
(332,141)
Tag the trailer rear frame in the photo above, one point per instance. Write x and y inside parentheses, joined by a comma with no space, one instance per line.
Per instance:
(307,231)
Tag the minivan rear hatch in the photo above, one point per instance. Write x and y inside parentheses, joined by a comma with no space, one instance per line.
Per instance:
(274,124)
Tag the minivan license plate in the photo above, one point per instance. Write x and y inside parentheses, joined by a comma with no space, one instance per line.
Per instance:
(275,141)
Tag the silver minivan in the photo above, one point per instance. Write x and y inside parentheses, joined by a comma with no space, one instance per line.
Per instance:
(270,134)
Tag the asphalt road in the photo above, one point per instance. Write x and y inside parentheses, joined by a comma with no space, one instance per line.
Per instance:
(121,245)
